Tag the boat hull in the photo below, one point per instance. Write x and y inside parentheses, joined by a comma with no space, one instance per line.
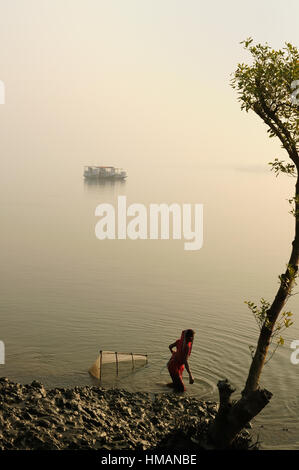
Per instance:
(101,177)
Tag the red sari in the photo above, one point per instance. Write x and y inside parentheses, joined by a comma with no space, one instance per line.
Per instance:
(177,360)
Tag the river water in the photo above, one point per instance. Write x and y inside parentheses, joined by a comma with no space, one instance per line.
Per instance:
(64,294)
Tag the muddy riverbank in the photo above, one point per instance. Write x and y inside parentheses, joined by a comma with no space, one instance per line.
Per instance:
(32,417)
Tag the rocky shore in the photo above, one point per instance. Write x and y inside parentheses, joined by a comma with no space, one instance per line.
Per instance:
(32,417)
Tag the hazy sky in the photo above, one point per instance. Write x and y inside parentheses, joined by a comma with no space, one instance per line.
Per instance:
(131,82)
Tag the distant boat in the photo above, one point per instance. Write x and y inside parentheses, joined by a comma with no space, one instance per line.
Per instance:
(104,172)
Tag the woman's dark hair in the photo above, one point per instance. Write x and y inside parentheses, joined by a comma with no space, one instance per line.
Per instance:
(189,334)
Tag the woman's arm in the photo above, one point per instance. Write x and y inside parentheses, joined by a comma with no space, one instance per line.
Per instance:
(172,346)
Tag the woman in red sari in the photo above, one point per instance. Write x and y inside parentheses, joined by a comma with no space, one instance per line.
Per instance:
(179,360)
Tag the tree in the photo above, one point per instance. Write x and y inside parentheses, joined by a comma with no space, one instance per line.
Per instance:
(270,88)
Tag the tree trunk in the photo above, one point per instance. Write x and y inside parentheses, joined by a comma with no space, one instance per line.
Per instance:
(232,417)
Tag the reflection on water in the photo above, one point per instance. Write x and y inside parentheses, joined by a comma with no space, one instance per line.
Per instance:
(64,294)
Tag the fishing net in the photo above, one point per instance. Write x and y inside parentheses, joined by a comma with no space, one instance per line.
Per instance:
(111,357)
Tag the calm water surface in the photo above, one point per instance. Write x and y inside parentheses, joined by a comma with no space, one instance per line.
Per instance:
(64,294)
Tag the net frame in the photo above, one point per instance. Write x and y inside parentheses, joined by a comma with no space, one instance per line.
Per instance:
(110,357)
